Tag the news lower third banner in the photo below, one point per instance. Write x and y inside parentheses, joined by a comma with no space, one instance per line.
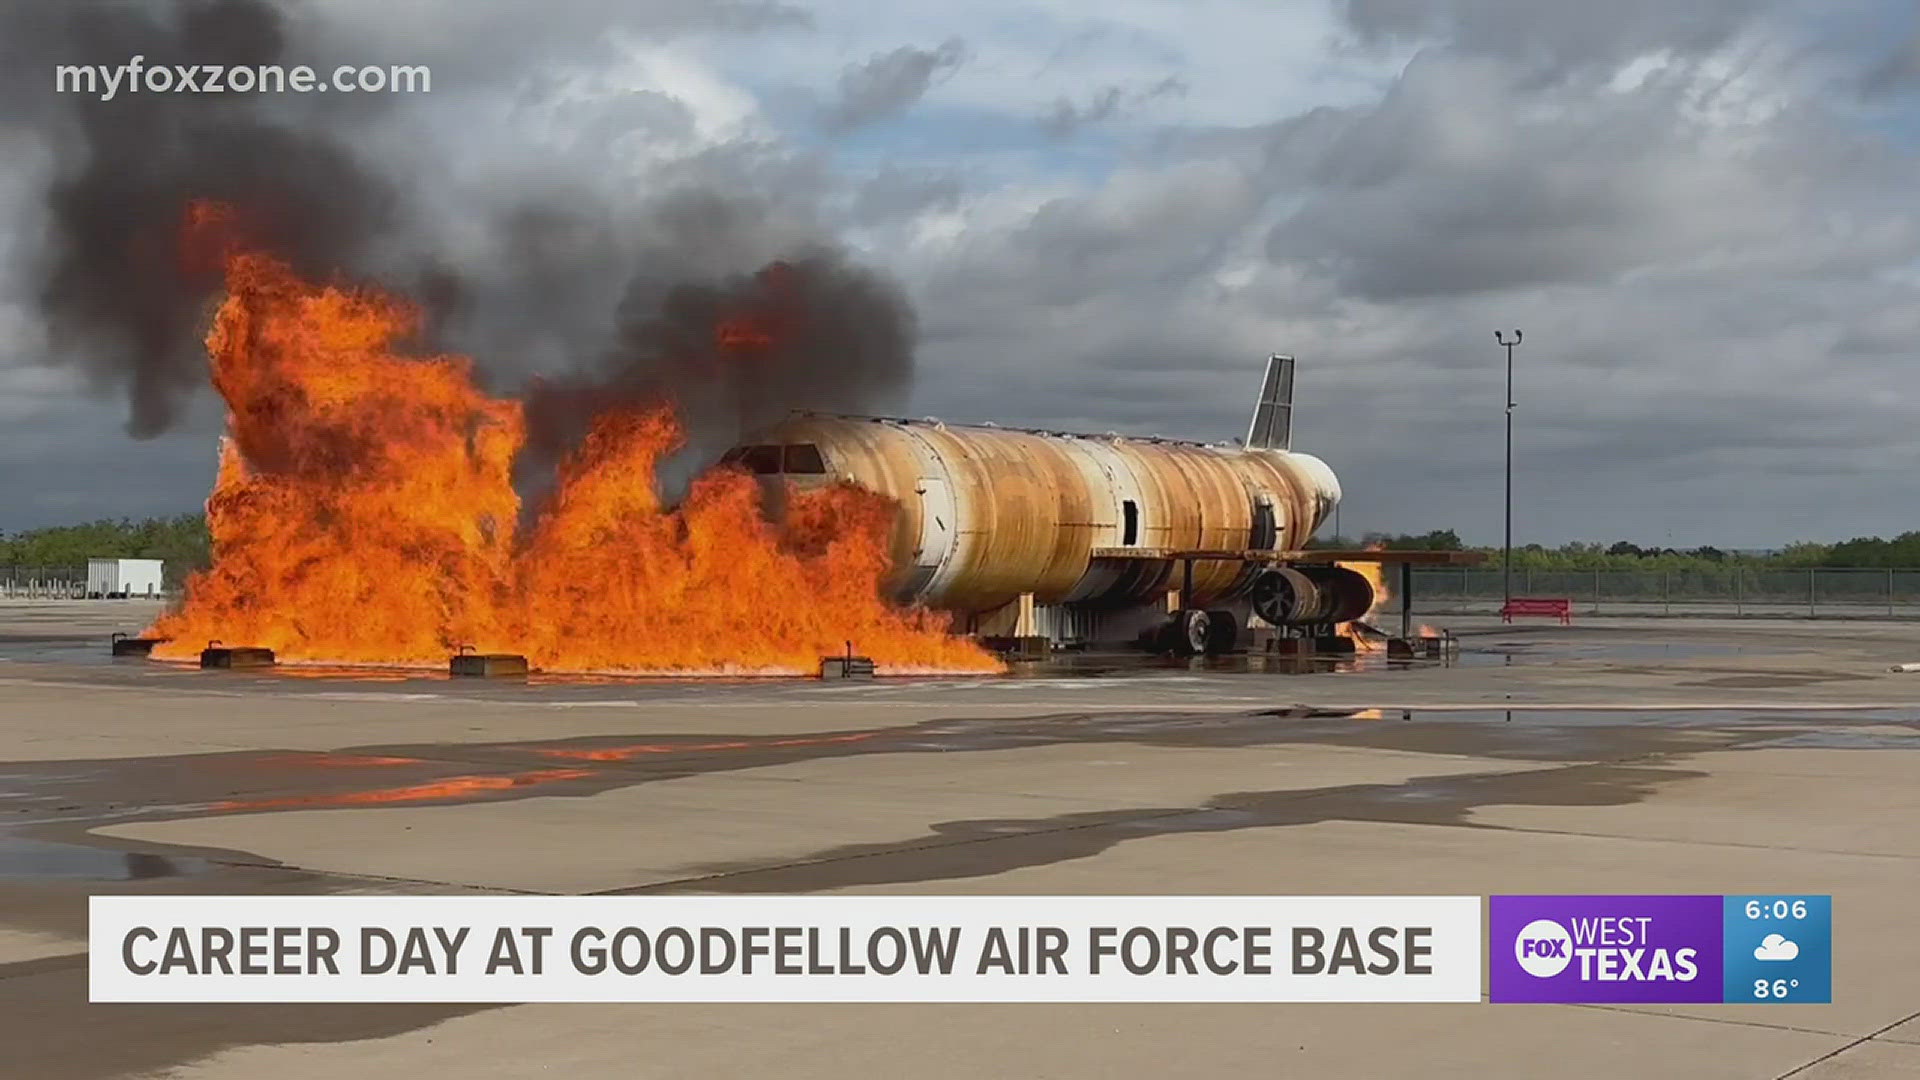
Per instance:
(1744,949)
(784,949)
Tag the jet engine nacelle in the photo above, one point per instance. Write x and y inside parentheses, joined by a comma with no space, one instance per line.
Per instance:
(1311,595)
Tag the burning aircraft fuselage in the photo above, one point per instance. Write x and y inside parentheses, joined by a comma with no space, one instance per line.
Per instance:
(1071,536)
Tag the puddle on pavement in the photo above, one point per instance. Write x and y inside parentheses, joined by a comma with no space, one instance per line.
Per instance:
(1892,738)
(1082,665)
(1589,757)
(1546,650)
(1065,664)
(88,794)
(951,850)
(1475,651)
(23,859)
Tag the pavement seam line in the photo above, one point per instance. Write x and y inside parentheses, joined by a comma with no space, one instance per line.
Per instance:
(1714,1020)
(1692,843)
(1871,1036)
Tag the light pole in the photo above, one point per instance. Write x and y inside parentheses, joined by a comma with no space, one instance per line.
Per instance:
(1506,548)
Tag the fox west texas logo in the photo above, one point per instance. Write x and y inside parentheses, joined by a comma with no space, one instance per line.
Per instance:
(1606,948)
(1611,948)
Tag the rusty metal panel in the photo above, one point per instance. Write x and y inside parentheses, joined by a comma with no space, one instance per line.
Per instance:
(1025,515)
(1199,500)
(1298,505)
(1031,508)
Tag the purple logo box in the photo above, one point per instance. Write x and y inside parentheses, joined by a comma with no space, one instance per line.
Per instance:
(1605,948)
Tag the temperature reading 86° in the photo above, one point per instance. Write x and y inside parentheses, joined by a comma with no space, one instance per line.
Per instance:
(1778,909)
(1777,988)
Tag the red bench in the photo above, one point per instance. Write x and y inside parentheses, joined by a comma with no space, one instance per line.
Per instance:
(1559,607)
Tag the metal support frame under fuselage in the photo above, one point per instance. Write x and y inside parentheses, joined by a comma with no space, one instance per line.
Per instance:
(1404,559)
(1406,601)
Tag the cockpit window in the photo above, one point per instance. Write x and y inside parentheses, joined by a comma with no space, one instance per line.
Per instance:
(804,458)
(765,460)
(762,460)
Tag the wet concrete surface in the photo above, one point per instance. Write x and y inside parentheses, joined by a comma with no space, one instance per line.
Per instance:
(24,859)
(1834,663)
(993,846)
(90,651)
(82,641)
(133,777)
(53,1033)
(71,798)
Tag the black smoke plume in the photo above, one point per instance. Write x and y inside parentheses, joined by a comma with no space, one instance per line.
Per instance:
(809,332)
(708,298)
(116,294)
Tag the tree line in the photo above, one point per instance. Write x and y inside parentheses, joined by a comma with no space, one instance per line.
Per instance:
(1869,552)
(181,541)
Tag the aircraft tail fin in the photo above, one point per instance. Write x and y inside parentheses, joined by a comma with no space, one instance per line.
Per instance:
(1272,427)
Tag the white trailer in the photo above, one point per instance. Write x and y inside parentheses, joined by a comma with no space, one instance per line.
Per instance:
(113,578)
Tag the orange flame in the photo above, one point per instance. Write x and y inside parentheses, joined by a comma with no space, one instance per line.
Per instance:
(768,313)
(742,333)
(364,513)
(1376,575)
(453,787)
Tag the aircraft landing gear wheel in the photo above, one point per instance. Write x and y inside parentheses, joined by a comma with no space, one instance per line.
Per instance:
(1186,633)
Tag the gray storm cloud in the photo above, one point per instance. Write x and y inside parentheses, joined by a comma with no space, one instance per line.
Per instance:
(1465,180)
(1557,35)
(1702,222)
(1067,117)
(890,82)
(1711,259)
(1899,71)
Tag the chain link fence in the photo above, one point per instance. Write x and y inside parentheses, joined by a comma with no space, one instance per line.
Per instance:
(1697,591)
(1478,590)
(43,582)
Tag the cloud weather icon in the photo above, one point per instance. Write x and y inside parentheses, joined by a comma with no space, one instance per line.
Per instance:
(1776,947)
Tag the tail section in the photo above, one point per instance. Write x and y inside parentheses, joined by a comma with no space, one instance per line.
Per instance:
(1272,427)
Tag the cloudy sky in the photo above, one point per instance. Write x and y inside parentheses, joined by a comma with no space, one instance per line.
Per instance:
(1703,215)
